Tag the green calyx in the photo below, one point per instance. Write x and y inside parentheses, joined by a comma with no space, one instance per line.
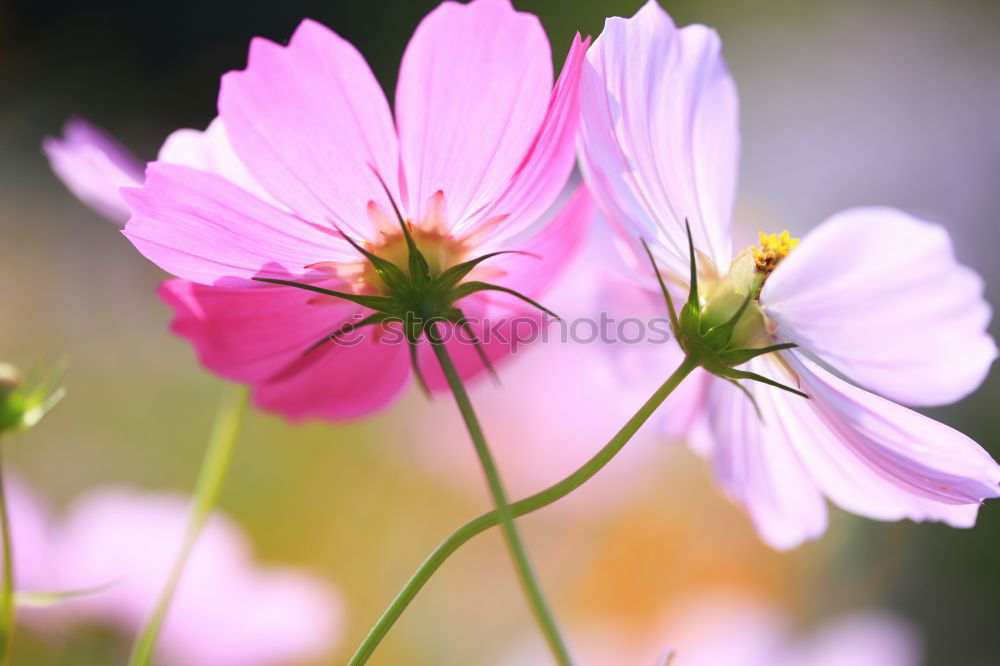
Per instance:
(23,403)
(715,334)
(417,296)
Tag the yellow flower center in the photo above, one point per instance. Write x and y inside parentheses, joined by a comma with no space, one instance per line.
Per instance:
(772,249)
(441,249)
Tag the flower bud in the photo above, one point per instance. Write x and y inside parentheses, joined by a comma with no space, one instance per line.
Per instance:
(723,300)
(21,406)
(10,379)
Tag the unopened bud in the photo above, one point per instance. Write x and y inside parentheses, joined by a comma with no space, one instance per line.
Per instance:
(10,379)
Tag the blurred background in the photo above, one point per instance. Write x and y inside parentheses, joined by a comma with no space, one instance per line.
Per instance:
(844,102)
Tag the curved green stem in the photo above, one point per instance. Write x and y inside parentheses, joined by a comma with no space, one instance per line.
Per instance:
(532,589)
(214,466)
(8,611)
(520,508)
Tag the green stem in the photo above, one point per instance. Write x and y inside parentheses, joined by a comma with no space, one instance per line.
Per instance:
(214,467)
(529,582)
(537,501)
(8,611)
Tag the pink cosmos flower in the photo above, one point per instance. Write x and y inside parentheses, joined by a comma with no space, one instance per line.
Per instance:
(872,294)
(305,146)
(227,611)
(127,540)
(736,631)
(31,534)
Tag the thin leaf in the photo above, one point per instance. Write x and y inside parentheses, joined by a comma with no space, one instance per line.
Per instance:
(415,363)
(46,599)
(663,286)
(468,288)
(746,374)
(693,300)
(381,303)
(748,394)
(305,358)
(419,269)
(454,275)
(463,321)
(391,275)
(690,317)
(735,357)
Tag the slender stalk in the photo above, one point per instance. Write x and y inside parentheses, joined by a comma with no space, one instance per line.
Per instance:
(214,466)
(8,611)
(533,503)
(529,582)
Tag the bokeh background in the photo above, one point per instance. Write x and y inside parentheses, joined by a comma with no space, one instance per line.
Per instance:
(843,102)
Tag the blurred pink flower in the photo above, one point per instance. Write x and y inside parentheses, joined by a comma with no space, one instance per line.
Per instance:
(227,612)
(737,631)
(872,294)
(31,533)
(481,146)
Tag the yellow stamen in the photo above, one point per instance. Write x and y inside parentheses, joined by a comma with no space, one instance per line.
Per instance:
(772,249)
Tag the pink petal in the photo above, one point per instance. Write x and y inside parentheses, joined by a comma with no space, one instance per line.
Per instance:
(32,537)
(548,253)
(203,228)
(659,137)
(94,167)
(343,383)
(878,295)
(473,90)
(250,335)
(756,463)
(880,459)
(542,174)
(258,335)
(311,123)
(211,151)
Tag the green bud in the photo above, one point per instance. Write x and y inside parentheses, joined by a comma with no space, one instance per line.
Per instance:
(10,380)
(721,325)
(22,406)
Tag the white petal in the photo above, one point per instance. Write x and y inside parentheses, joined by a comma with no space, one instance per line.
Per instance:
(879,296)
(659,138)
(882,460)
(755,461)
(211,151)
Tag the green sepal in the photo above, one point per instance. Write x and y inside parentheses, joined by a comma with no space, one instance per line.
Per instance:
(391,275)
(380,303)
(47,599)
(420,271)
(734,357)
(690,319)
(674,324)
(415,364)
(749,395)
(718,337)
(303,360)
(458,318)
(451,277)
(733,373)
(467,288)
